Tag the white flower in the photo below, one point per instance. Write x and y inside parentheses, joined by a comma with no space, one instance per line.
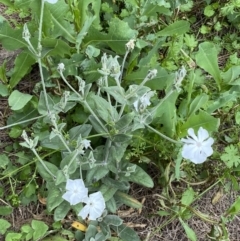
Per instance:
(141,104)
(76,191)
(130,44)
(197,148)
(86,143)
(61,67)
(94,207)
(51,1)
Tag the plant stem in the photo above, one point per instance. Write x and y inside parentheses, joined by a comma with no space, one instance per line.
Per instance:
(162,135)
(43,164)
(21,122)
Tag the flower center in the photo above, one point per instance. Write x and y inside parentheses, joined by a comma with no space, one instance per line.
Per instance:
(199,144)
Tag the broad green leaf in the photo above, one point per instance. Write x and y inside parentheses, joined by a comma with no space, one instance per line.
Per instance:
(125,122)
(126,233)
(121,138)
(40,229)
(44,173)
(107,192)
(62,27)
(4,225)
(113,220)
(5,210)
(103,108)
(189,232)
(13,237)
(96,125)
(82,130)
(188,197)
(42,108)
(55,238)
(121,185)
(15,131)
(18,100)
(117,93)
(127,200)
(3,90)
(176,28)
(141,177)
(207,59)
(111,205)
(119,33)
(90,232)
(4,160)
(11,39)
(235,208)
(55,47)
(197,103)
(54,198)
(232,76)
(70,161)
(221,100)
(203,119)
(96,173)
(61,211)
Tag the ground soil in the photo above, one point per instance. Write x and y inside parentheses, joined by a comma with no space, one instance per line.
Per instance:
(144,221)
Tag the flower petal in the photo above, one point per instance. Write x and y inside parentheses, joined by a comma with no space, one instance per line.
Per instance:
(202,134)
(192,134)
(84,212)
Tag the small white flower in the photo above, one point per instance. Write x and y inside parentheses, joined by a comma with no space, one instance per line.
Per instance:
(76,191)
(86,143)
(141,104)
(61,67)
(130,44)
(94,207)
(51,1)
(197,148)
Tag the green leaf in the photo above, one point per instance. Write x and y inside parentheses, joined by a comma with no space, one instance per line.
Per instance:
(4,225)
(231,156)
(54,198)
(18,100)
(13,237)
(119,33)
(22,66)
(61,211)
(15,132)
(202,119)
(3,90)
(209,11)
(113,220)
(207,59)
(126,233)
(197,103)
(176,28)
(235,208)
(96,173)
(11,39)
(221,100)
(55,238)
(140,177)
(111,205)
(127,200)
(121,138)
(40,229)
(189,232)
(232,76)
(42,171)
(125,121)
(188,197)
(42,108)
(67,162)
(5,210)
(4,160)
(117,93)
(62,27)
(107,192)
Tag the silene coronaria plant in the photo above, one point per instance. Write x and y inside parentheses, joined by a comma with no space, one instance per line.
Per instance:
(93,174)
